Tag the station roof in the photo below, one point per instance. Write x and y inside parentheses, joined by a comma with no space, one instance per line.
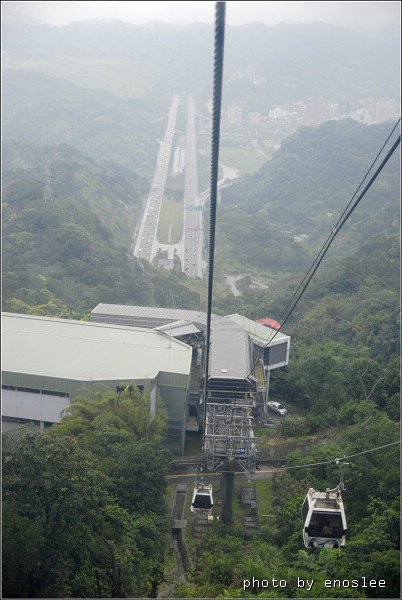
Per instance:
(230,356)
(230,353)
(261,334)
(178,328)
(151,313)
(87,351)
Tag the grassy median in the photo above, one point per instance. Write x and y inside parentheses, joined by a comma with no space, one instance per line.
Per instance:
(170,225)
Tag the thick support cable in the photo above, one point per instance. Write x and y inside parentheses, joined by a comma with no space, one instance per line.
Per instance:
(216,123)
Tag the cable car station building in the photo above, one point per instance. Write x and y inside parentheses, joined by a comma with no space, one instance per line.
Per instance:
(47,362)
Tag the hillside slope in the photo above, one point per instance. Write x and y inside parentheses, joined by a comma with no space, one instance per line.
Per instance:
(67,252)
(309,181)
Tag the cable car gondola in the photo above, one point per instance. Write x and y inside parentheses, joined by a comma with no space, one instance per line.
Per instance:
(202,501)
(324,519)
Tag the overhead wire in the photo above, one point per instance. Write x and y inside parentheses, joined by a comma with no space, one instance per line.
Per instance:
(337,461)
(340,223)
(220,9)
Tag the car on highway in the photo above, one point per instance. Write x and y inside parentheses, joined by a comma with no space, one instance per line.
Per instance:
(277,408)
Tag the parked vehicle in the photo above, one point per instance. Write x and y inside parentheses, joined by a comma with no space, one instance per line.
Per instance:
(277,408)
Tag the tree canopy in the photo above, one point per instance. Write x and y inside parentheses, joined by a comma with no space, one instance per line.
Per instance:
(84,509)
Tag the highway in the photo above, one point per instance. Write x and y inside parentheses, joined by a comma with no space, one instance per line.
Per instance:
(145,245)
(193,232)
(189,249)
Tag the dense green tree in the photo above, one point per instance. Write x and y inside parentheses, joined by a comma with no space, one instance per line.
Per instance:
(57,488)
(125,411)
(86,500)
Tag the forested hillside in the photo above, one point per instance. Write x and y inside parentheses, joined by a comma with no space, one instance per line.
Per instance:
(310,180)
(64,253)
(43,109)
(342,385)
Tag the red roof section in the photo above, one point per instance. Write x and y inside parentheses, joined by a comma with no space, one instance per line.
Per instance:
(270,323)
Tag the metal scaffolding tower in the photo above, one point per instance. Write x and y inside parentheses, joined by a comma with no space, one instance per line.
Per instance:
(229,435)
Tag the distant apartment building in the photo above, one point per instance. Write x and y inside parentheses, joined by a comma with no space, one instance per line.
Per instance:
(275,113)
(333,112)
(255,118)
(315,111)
(278,112)
(293,110)
(376,110)
(362,115)
(234,114)
(385,109)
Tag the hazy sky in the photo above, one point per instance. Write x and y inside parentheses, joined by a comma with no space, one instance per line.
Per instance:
(364,15)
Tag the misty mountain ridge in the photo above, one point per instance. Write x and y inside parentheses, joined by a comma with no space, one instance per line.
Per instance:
(40,109)
(314,58)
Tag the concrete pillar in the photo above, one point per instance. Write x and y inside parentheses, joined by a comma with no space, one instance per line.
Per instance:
(266,398)
(227,484)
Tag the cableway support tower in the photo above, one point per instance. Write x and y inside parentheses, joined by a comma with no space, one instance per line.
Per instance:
(229,435)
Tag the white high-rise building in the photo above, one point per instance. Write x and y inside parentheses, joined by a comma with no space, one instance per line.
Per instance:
(234,114)
(385,108)
(333,111)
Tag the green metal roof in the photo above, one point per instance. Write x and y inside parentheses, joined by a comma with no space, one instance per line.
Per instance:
(87,351)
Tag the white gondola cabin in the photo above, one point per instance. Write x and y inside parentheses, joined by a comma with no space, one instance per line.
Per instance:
(202,501)
(324,519)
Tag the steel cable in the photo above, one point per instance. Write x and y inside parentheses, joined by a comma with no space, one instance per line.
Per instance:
(220,10)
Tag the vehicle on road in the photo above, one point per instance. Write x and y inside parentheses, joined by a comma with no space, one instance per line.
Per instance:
(277,408)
